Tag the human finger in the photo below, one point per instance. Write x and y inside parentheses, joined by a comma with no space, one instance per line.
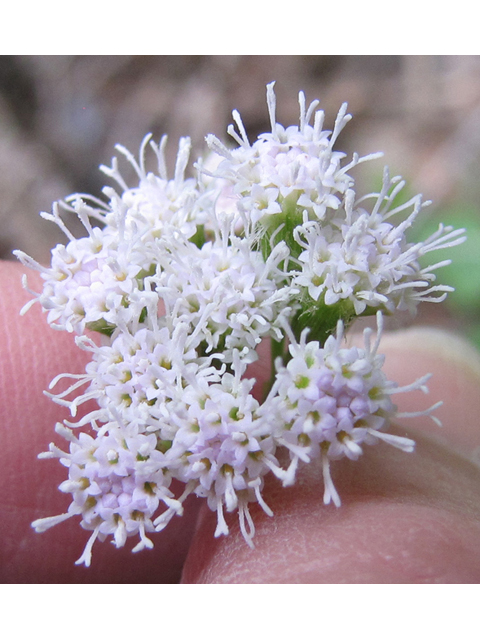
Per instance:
(404,517)
(31,355)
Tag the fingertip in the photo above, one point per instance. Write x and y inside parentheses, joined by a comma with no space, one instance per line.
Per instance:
(404,518)
(32,355)
(455,367)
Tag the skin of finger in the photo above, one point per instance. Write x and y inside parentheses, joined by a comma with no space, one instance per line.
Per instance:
(404,518)
(32,354)
(455,367)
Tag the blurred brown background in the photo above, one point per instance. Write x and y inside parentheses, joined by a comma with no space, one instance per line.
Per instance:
(60,117)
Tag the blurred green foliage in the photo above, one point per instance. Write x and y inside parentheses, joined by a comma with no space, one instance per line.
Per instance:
(464,271)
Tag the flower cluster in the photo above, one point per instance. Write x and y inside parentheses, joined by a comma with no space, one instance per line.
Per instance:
(176,283)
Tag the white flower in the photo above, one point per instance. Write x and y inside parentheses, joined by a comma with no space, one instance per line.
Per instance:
(182,279)
(116,481)
(291,186)
(364,259)
(222,450)
(157,207)
(225,291)
(91,278)
(289,170)
(138,379)
(333,400)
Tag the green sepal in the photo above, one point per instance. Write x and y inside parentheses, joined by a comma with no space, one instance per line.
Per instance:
(145,273)
(280,226)
(143,315)
(321,318)
(199,237)
(102,326)
(163,445)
